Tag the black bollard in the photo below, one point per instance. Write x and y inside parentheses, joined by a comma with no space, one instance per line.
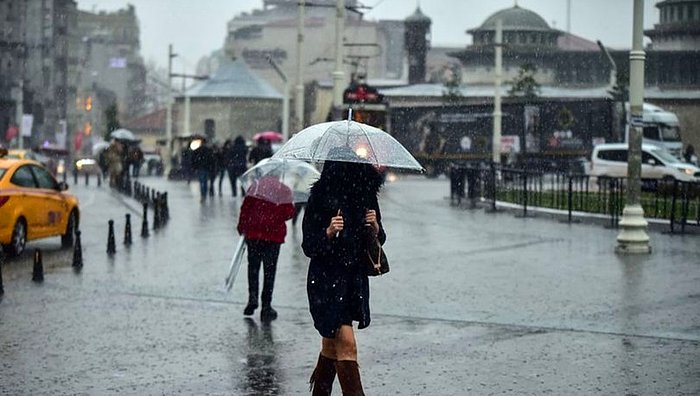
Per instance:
(127,230)
(156,212)
(38,272)
(87,178)
(77,251)
(65,176)
(99,179)
(144,225)
(111,244)
(75,176)
(166,210)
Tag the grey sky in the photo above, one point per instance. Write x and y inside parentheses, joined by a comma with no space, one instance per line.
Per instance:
(195,28)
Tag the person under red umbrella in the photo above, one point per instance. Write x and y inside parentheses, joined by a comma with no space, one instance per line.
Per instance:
(266,207)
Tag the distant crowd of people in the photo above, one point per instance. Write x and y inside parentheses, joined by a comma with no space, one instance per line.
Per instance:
(121,161)
(209,162)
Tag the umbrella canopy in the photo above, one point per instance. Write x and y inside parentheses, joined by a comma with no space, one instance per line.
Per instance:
(124,134)
(269,135)
(372,145)
(270,189)
(99,147)
(298,176)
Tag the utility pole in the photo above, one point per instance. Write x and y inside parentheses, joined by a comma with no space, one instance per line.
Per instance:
(633,238)
(19,110)
(285,103)
(169,109)
(299,87)
(338,75)
(186,116)
(497,94)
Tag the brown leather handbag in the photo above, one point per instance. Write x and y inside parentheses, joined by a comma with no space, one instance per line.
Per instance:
(375,261)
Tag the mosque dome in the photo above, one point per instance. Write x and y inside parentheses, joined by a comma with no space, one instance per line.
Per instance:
(516,18)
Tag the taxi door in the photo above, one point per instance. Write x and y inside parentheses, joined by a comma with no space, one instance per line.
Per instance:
(29,200)
(53,207)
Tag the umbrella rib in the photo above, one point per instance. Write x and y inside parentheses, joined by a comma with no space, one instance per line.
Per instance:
(371,146)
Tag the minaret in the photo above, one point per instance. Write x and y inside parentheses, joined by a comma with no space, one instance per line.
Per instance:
(417,42)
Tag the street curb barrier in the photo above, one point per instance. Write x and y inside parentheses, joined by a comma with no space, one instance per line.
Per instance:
(111,244)
(38,270)
(144,225)
(127,230)
(77,251)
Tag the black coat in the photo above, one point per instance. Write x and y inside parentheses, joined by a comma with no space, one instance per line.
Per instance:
(337,285)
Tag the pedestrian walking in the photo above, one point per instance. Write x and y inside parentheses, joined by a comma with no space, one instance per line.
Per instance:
(236,161)
(202,159)
(113,158)
(262,150)
(220,166)
(262,224)
(341,210)
(689,155)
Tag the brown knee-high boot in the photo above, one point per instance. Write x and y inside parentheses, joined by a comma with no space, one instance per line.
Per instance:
(321,381)
(349,377)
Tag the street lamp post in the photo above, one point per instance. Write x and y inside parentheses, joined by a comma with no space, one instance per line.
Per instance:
(169,109)
(633,238)
(299,87)
(338,74)
(497,94)
(285,104)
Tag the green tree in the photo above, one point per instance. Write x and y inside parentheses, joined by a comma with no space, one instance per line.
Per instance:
(452,80)
(112,120)
(620,94)
(525,85)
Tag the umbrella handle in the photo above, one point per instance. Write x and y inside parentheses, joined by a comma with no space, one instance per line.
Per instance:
(337,234)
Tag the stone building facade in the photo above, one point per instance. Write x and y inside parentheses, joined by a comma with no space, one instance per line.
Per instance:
(233,101)
(36,46)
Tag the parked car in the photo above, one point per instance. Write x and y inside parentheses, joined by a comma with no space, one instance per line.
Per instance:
(33,205)
(657,163)
(87,165)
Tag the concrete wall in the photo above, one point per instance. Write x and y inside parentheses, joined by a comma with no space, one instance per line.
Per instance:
(232,117)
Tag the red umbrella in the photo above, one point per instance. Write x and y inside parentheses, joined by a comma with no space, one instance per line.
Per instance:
(269,135)
(270,189)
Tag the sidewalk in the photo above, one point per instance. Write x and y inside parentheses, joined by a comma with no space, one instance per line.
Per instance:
(476,303)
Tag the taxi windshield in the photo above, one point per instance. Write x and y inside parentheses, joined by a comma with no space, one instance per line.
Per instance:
(2,172)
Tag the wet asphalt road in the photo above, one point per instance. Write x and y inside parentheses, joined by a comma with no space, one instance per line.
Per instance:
(476,303)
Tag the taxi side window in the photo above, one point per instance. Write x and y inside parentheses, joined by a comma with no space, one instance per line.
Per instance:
(44,178)
(23,177)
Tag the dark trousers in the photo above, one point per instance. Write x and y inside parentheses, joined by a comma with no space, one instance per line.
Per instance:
(203,177)
(233,176)
(265,253)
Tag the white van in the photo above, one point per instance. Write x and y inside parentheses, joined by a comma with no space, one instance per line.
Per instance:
(657,163)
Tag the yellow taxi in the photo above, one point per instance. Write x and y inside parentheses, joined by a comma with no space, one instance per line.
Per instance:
(33,205)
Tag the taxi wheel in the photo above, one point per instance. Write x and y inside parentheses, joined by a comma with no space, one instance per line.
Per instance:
(71,227)
(19,238)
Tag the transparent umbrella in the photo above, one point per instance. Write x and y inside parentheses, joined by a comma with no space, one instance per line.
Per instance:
(297,175)
(124,134)
(372,145)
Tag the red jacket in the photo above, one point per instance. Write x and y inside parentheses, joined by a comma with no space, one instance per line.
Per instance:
(263,220)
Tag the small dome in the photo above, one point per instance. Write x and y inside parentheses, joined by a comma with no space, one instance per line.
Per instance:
(418,16)
(516,18)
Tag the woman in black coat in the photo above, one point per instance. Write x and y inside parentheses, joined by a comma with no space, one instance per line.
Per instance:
(341,211)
